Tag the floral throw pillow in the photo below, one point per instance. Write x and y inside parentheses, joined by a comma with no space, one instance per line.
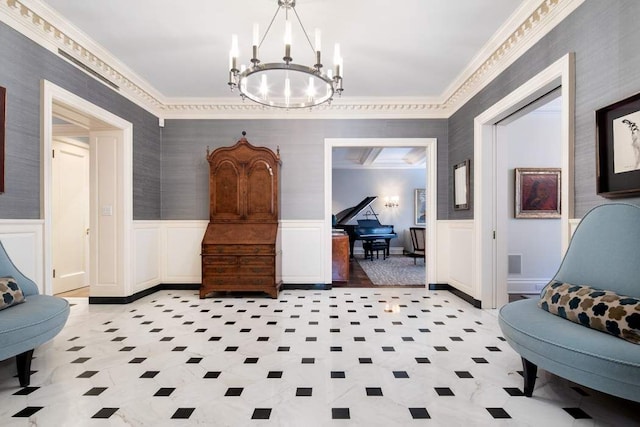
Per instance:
(605,311)
(10,292)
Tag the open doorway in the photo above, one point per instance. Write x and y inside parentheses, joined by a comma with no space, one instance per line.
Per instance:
(429,145)
(529,142)
(490,227)
(110,145)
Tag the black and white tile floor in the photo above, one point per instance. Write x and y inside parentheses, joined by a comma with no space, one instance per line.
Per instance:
(308,358)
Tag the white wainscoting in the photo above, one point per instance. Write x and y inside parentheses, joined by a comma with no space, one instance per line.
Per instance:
(181,243)
(455,255)
(146,255)
(23,240)
(169,252)
(527,285)
(303,251)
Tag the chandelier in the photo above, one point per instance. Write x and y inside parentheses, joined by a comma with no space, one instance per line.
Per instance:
(285,84)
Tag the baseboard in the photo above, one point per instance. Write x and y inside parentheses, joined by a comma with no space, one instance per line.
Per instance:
(446,287)
(308,286)
(143,293)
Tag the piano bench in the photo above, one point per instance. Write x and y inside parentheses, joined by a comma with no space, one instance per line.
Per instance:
(374,245)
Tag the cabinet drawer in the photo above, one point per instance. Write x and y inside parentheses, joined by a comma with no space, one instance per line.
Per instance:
(238,250)
(232,282)
(236,270)
(219,260)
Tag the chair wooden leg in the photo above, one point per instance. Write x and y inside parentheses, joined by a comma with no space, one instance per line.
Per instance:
(529,370)
(23,362)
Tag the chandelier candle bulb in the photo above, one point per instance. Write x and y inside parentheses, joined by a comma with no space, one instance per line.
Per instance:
(287,42)
(256,44)
(256,35)
(318,49)
(318,41)
(233,53)
(264,89)
(287,90)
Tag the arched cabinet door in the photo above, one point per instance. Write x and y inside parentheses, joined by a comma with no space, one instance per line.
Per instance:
(262,196)
(225,191)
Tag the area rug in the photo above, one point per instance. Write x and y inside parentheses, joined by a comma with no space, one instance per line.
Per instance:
(395,270)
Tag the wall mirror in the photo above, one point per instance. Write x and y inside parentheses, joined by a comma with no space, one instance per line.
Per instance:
(461,180)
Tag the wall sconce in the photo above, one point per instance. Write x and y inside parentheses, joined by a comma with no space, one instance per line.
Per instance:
(392,202)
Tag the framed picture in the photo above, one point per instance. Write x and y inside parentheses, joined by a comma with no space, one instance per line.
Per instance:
(537,193)
(3,109)
(461,182)
(420,205)
(618,148)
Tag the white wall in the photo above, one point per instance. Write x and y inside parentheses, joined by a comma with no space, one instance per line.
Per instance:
(532,141)
(350,186)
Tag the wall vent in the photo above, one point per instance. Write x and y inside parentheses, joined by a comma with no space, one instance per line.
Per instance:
(88,69)
(515,264)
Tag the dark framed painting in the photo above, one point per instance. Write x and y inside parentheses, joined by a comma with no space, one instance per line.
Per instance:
(3,115)
(461,182)
(537,193)
(618,148)
(420,206)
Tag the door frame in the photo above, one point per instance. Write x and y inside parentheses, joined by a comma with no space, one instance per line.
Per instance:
(51,93)
(431,147)
(491,290)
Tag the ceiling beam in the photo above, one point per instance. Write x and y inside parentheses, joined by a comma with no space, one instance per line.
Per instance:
(370,155)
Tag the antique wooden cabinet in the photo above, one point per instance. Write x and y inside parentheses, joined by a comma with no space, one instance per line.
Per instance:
(241,247)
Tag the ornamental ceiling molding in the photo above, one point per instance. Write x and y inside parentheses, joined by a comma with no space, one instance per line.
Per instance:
(44,26)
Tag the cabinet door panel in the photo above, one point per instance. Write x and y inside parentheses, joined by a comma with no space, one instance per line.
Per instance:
(225,191)
(260,194)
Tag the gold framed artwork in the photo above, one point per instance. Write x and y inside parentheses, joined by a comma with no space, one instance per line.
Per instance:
(537,193)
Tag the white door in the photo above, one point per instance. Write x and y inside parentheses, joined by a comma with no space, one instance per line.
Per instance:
(70,215)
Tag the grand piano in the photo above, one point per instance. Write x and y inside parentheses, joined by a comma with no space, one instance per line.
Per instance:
(365,229)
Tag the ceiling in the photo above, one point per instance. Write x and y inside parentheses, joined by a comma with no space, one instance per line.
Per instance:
(378,158)
(406,51)
(391,50)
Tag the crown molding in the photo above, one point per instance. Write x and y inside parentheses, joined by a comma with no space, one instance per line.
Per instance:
(533,20)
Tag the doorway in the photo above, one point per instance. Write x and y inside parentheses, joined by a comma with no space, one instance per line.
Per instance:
(490,229)
(430,147)
(110,145)
(529,138)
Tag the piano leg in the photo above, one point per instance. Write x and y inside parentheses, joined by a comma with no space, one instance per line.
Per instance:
(352,241)
(388,244)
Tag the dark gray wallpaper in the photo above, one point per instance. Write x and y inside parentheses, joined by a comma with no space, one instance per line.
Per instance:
(604,37)
(23,65)
(185,169)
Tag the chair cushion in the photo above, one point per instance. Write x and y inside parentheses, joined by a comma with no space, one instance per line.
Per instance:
(603,310)
(580,354)
(26,326)
(10,292)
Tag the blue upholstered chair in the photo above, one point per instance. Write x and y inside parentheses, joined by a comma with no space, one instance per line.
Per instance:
(25,326)
(604,254)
